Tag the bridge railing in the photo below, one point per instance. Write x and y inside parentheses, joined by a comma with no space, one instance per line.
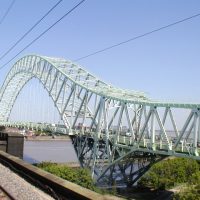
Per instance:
(184,146)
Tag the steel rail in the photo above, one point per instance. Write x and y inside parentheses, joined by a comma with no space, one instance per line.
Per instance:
(7,193)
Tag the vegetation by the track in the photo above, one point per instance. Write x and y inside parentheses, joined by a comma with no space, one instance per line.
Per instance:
(175,172)
(79,176)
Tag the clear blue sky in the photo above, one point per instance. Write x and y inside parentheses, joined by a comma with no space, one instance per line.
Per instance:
(165,64)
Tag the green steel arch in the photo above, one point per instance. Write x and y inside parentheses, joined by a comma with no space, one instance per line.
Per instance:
(109,126)
(40,66)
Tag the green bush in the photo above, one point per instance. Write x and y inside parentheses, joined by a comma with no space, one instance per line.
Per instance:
(191,193)
(79,176)
(195,178)
(168,173)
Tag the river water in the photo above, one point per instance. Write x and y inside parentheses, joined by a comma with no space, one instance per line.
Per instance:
(54,151)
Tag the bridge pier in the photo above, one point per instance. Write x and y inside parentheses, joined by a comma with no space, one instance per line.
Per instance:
(12,143)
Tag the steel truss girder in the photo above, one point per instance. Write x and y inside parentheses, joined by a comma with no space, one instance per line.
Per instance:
(126,169)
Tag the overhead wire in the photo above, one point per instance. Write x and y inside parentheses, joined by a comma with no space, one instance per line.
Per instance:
(44,32)
(25,34)
(7,11)
(137,37)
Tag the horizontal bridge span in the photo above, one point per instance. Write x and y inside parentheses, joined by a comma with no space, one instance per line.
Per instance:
(123,141)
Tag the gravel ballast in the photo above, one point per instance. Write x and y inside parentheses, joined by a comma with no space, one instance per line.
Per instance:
(18,187)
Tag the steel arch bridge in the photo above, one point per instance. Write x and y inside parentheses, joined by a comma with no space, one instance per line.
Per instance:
(116,133)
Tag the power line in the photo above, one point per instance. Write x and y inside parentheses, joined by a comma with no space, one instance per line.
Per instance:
(28,45)
(25,34)
(137,37)
(6,13)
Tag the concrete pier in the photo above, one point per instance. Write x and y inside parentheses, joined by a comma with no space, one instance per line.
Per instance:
(12,143)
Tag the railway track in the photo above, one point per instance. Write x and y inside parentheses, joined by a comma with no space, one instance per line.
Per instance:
(5,195)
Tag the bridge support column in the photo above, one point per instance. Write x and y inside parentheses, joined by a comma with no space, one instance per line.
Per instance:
(198,137)
(195,135)
(12,143)
(153,129)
